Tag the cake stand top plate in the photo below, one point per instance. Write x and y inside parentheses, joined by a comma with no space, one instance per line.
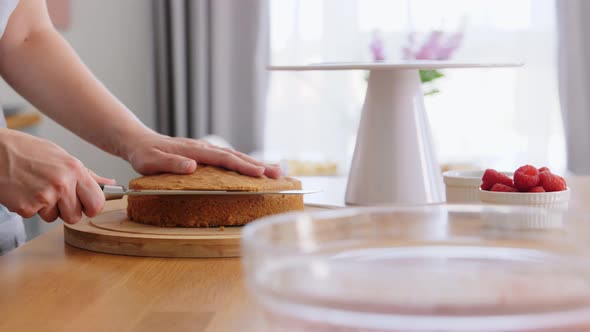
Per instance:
(394,65)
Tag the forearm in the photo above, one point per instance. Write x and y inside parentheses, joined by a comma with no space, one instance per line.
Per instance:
(47,72)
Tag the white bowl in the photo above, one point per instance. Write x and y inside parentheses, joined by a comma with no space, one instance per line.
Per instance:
(555,202)
(463,186)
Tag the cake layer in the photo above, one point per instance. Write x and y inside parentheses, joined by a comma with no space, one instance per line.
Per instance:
(208,211)
(213,178)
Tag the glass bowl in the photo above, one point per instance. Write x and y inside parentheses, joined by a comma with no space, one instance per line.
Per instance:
(437,268)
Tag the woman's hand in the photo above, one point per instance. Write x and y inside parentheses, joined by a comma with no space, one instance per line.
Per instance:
(154,153)
(37,176)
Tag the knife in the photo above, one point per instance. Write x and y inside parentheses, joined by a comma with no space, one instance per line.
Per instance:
(117,192)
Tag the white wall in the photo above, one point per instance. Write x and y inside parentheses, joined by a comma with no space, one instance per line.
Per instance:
(114,38)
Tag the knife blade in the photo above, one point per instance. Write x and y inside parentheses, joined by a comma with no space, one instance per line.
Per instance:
(113,192)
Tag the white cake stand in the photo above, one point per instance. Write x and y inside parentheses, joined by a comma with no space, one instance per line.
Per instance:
(394,158)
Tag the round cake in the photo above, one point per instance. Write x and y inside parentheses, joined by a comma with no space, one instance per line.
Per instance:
(210,210)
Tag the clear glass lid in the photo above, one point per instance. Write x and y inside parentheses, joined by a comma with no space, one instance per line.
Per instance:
(442,268)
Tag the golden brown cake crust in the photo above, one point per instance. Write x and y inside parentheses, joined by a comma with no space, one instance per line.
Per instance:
(210,210)
(213,178)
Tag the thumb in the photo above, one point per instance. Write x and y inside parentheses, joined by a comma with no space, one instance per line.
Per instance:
(100,179)
(162,162)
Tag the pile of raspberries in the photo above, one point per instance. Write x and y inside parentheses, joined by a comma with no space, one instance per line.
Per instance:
(527,179)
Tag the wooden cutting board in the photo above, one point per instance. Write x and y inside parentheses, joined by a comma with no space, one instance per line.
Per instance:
(112,232)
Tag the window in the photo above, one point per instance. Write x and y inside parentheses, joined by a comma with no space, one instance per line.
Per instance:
(497,118)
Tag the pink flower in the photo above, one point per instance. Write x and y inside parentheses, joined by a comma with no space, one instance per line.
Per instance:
(377,48)
(450,46)
(429,49)
(436,46)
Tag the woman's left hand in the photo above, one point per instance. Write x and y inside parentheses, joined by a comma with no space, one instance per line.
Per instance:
(154,153)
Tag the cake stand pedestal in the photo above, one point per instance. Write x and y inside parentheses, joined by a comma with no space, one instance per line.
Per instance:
(394,159)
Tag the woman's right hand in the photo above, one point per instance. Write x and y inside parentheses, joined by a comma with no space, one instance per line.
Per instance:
(37,176)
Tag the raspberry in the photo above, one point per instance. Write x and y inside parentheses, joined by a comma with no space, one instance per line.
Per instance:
(544,169)
(486,186)
(491,177)
(526,177)
(503,188)
(537,189)
(552,182)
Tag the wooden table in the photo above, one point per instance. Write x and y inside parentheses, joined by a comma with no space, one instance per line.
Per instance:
(49,286)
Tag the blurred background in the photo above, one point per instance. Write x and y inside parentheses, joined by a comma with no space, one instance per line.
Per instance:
(198,68)
(484,117)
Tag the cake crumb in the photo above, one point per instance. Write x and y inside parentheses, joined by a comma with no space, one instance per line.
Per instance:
(221,228)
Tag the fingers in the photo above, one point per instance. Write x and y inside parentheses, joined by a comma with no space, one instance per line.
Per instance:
(49,214)
(181,155)
(269,170)
(89,195)
(215,156)
(161,162)
(80,194)
(100,179)
(70,210)
(47,209)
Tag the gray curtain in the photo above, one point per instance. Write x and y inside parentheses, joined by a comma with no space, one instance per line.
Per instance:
(574,80)
(211,58)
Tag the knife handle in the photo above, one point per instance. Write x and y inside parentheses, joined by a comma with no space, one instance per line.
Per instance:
(112,192)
